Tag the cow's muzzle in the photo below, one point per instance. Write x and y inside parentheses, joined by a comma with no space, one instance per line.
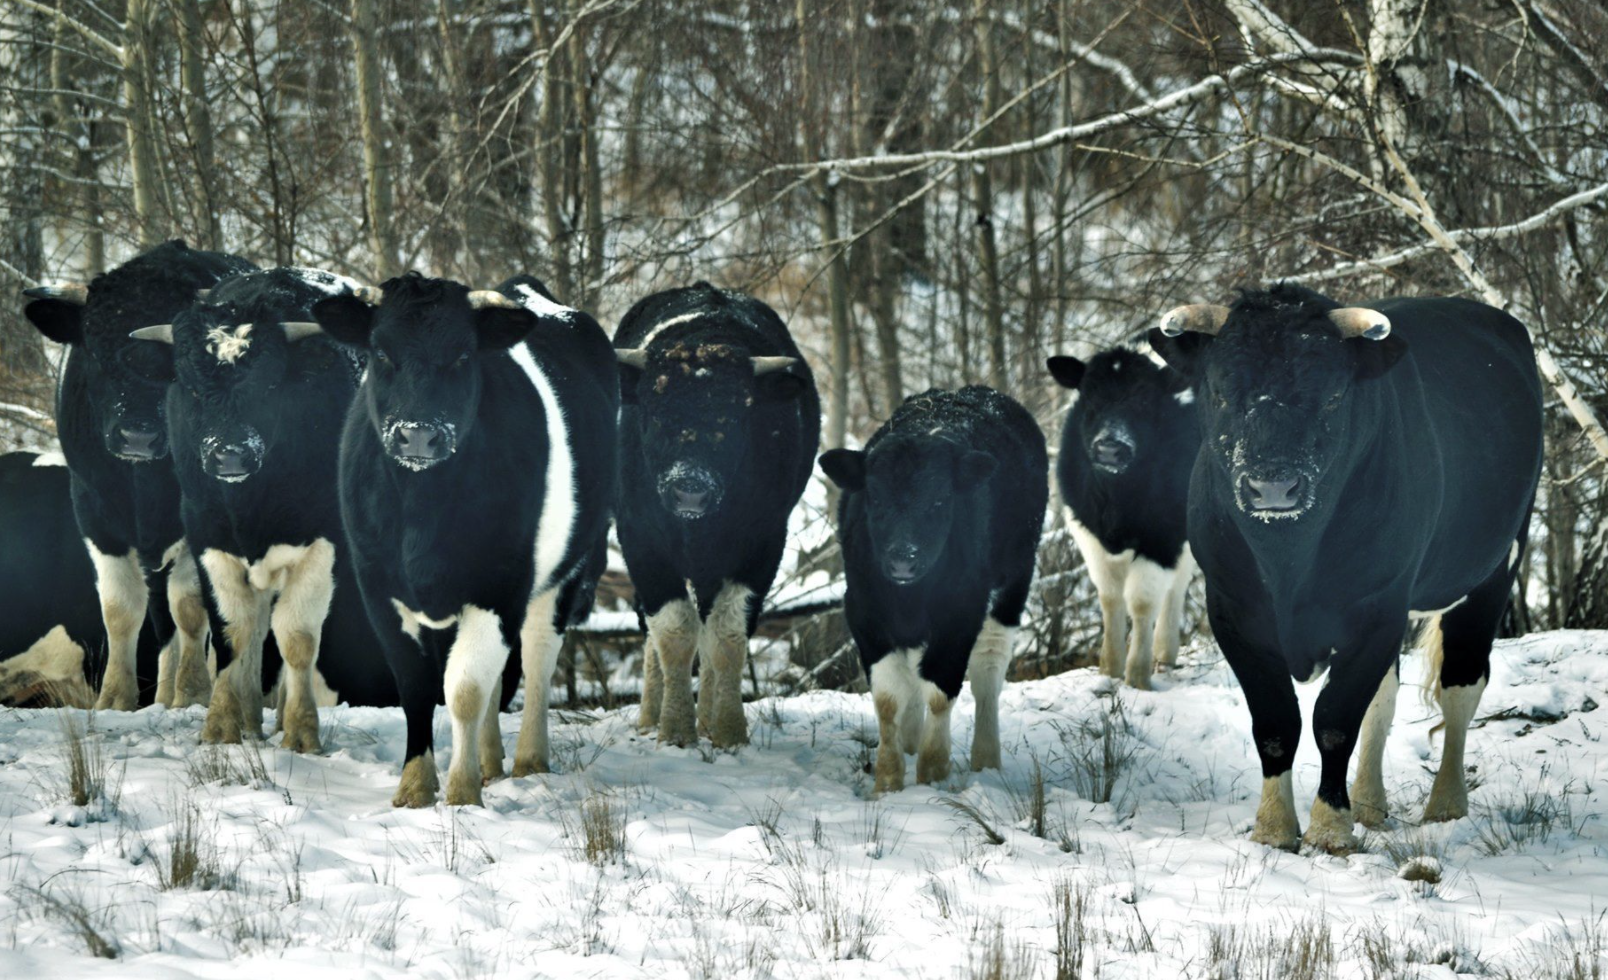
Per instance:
(690,494)
(902,564)
(138,441)
(420,445)
(232,460)
(1280,491)
(1112,450)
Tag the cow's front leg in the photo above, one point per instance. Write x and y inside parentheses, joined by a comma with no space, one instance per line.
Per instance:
(723,646)
(474,666)
(674,631)
(1353,684)
(1276,730)
(298,623)
(539,643)
(192,681)
(652,688)
(1368,788)
(120,582)
(894,686)
(235,709)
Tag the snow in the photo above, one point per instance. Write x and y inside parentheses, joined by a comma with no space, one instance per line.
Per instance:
(541,305)
(774,861)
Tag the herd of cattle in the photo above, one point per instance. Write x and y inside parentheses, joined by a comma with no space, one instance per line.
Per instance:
(382,494)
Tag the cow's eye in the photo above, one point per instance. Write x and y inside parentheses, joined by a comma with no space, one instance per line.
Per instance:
(462,359)
(382,356)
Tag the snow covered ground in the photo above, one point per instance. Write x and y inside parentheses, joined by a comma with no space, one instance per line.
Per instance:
(640,861)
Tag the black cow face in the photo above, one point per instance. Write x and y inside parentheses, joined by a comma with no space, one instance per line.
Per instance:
(424,376)
(697,402)
(125,379)
(913,486)
(1275,389)
(1125,402)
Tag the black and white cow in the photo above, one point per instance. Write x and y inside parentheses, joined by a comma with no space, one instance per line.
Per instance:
(477,479)
(254,425)
(1129,443)
(52,640)
(111,422)
(717,436)
(939,522)
(1359,468)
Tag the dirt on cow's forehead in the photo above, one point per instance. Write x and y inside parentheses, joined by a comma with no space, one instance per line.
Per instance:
(702,352)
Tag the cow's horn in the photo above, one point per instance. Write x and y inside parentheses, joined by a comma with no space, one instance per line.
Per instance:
(1197,317)
(372,295)
(300,329)
(162,333)
(765,365)
(480,299)
(76,293)
(636,357)
(202,294)
(1359,321)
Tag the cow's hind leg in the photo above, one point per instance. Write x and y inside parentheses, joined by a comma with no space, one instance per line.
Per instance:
(990,659)
(1368,788)
(1355,676)
(1145,593)
(121,584)
(1170,620)
(192,681)
(298,623)
(539,643)
(235,709)
(674,631)
(1461,666)
(652,688)
(474,668)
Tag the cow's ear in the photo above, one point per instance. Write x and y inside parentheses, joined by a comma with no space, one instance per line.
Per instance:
(845,467)
(1182,353)
(499,328)
(1375,357)
(974,470)
(58,319)
(1067,371)
(346,318)
(779,386)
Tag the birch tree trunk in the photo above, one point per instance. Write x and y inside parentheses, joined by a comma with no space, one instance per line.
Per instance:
(138,122)
(376,158)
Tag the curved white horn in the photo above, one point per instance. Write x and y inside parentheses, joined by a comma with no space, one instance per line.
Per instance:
(372,295)
(299,329)
(1197,317)
(480,299)
(76,293)
(636,357)
(162,333)
(765,365)
(1359,321)
(202,294)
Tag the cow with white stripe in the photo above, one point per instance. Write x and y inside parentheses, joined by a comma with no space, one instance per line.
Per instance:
(1129,443)
(254,422)
(717,436)
(110,417)
(476,484)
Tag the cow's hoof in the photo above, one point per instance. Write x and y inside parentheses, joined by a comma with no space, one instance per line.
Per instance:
(529,767)
(1369,805)
(193,687)
(463,789)
(931,770)
(1329,830)
(222,727)
(1442,807)
(1139,682)
(731,734)
(303,739)
(118,693)
(983,759)
(647,722)
(418,787)
(680,733)
(165,695)
(1282,839)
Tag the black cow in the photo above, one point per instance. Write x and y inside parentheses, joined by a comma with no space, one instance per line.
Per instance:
(110,419)
(477,479)
(1129,443)
(51,636)
(1360,468)
(254,422)
(939,522)
(717,437)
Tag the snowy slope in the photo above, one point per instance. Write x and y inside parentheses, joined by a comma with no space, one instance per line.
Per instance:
(773,862)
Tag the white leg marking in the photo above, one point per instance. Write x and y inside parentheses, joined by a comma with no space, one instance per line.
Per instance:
(192,679)
(723,651)
(53,667)
(419,782)
(1329,829)
(990,658)
(652,687)
(894,686)
(1109,572)
(1145,593)
(235,711)
(1448,798)
(932,763)
(1368,789)
(1170,623)
(474,666)
(911,717)
(1276,825)
(298,623)
(491,747)
(539,644)
(121,585)
(559,508)
(673,630)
